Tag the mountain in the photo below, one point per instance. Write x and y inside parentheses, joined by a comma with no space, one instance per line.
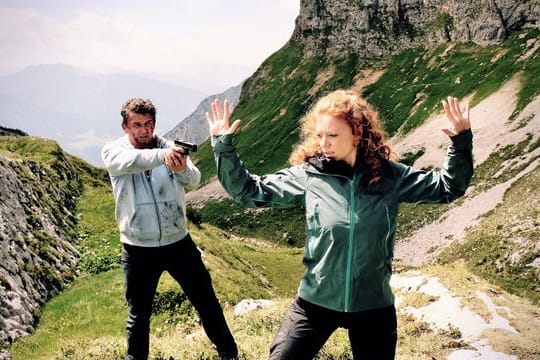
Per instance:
(194,128)
(375,28)
(210,78)
(81,109)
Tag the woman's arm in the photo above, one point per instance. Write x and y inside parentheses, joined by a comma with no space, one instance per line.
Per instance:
(282,188)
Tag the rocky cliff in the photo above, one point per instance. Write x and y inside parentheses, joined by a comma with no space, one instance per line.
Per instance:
(374,28)
(194,128)
(38,191)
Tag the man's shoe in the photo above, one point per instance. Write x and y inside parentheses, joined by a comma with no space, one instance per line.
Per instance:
(229,357)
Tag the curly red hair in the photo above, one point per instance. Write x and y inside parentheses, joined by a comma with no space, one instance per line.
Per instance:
(364,122)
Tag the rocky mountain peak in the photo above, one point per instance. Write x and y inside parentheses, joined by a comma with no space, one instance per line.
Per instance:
(374,28)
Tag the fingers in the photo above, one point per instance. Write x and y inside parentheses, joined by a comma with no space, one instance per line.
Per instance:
(216,111)
(175,159)
(226,110)
(458,121)
(234,126)
(452,109)
(218,119)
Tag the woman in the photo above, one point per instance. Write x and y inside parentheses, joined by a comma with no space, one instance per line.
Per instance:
(343,173)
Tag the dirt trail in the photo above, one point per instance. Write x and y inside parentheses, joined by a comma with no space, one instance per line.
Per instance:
(491,131)
(450,310)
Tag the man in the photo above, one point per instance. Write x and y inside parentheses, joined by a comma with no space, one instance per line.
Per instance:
(148,176)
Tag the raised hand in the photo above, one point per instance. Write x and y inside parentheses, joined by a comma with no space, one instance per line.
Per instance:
(459,122)
(218,121)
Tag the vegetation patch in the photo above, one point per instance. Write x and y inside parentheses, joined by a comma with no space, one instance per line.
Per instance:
(282,226)
(503,247)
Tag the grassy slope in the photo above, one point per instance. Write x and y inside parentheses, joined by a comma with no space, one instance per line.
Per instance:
(240,269)
(501,249)
(411,88)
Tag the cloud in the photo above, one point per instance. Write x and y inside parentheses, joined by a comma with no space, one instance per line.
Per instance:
(145,36)
(89,139)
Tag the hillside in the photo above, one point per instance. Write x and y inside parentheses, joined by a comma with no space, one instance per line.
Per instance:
(39,188)
(446,310)
(466,275)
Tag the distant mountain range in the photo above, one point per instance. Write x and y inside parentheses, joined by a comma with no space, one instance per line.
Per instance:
(80,109)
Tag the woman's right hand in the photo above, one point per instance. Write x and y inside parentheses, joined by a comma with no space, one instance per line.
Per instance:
(218,121)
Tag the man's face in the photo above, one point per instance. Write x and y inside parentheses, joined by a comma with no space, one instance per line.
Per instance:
(140,130)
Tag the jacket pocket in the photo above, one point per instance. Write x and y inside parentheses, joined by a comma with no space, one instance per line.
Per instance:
(143,224)
(172,220)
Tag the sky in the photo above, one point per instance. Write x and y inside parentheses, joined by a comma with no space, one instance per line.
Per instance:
(159,36)
(205,45)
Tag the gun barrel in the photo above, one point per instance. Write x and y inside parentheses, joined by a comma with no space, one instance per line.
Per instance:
(188,147)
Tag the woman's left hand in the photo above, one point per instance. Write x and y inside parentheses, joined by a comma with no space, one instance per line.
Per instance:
(218,120)
(459,121)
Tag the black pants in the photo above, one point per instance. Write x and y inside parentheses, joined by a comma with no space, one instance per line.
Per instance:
(306,327)
(142,269)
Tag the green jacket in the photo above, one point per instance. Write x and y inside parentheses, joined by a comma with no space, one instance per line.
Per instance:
(350,228)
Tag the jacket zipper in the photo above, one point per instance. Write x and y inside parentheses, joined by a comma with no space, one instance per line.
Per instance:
(389,226)
(148,174)
(314,221)
(350,246)
(352,181)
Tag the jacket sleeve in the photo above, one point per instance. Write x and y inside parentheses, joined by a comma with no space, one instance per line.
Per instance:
(282,188)
(190,177)
(442,185)
(120,159)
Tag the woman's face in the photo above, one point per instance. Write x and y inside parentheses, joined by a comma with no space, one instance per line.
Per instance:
(336,138)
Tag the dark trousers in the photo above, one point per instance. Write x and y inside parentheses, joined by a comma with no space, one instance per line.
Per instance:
(142,269)
(306,327)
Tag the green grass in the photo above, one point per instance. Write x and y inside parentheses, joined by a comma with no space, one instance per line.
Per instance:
(504,245)
(417,80)
(97,334)
(99,242)
(283,226)
(31,149)
(91,307)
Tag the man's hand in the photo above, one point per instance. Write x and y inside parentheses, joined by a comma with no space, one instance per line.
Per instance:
(458,121)
(176,159)
(218,121)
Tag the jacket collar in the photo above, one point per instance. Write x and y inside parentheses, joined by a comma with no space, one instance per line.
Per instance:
(325,165)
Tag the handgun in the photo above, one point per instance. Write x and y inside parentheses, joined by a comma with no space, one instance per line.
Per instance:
(188,147)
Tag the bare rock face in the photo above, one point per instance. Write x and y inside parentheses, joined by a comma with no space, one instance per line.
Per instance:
(37,222)
(374,28)
(195,128)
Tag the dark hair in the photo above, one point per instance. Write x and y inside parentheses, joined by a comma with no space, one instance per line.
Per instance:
(139,106)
